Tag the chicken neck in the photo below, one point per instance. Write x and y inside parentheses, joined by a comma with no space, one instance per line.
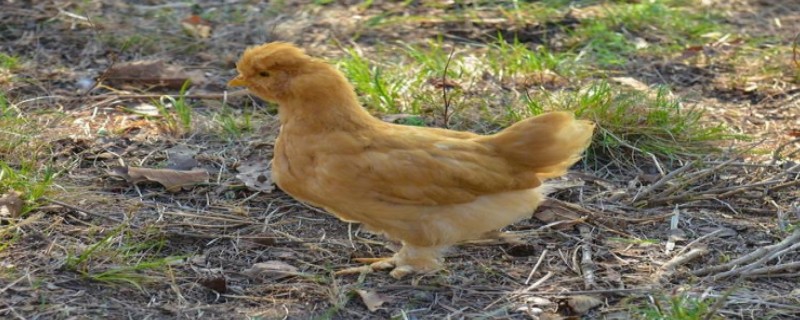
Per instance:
(324,102)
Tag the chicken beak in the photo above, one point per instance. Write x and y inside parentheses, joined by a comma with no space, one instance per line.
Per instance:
(237,82)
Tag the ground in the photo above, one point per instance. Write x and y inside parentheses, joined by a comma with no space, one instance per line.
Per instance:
(685,207)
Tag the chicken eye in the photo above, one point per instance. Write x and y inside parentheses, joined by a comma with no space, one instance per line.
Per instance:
(263,74)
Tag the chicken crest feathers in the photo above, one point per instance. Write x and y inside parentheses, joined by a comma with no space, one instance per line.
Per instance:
(271,56)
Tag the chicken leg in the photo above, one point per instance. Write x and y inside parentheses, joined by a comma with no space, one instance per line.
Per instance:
(410,259)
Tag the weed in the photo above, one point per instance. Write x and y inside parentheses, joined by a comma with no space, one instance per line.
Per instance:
(8,62)
(131,258)
(5,108)
(655,124)
(232,124)
(678,307)
(507,61)
(179,120)
(381,92)
(32,182)
(613,37)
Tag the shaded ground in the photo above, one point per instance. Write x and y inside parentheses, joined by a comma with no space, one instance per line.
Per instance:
(102,248)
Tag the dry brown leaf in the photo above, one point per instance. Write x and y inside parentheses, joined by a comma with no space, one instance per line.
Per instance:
(631,82)
(372,299)
(11,205)
(218,284)
(553,213)
(172,180)
(270,268)
(256,175)
(151,73)
(196,26)
(582,304)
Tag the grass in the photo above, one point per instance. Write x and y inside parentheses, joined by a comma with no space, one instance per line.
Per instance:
(28,179)
(123,256)
(177,113)
(233,124)
(618,33)
(677,307)
(640,122)
(8,62)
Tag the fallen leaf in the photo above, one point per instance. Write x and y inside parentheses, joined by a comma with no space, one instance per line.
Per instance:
(218,284)
(146,109)
(794,132)
(540,302)
(371,299)
(196,26)
(582,304)
(256,175)
(172,180)
(11,205)
(270,268)
(553,214)
(631,82)
(155,73)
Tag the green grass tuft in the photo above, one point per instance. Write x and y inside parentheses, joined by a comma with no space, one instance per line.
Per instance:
(27,178)
(656,124)
(677,307)
(132,260)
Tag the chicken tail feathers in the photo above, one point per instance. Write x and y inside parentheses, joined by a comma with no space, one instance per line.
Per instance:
(546,145)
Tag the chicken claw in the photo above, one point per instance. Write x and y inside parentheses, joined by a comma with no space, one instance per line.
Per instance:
(407,261)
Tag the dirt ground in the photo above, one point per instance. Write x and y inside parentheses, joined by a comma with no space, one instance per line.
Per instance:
(98,247)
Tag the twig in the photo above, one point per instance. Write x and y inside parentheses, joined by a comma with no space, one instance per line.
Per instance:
(591,292)
(690,179)
(538,282)
(757,255)
(523,291)
(587,265)
(536,266)
(776,155)
(662,181)
(74,208)
(772,269)
(722,193)
(667,270)
(445,88)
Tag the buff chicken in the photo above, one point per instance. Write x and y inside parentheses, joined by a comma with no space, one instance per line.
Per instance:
(428,188)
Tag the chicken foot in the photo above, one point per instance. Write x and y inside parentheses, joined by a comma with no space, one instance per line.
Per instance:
(410,259)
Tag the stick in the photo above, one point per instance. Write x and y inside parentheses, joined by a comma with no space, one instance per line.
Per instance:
(536,266)
(587,265)
(666,271)
(755,255)
(74,208)
(444,90)
(662,181)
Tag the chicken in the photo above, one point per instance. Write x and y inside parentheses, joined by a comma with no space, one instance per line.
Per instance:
(429,188)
